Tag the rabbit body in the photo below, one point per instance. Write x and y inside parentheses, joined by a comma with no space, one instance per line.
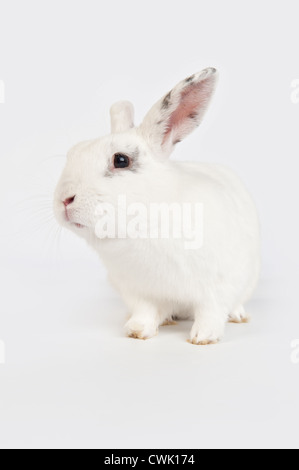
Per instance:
(160,278)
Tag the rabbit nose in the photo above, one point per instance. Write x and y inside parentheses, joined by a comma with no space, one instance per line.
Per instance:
(69,201)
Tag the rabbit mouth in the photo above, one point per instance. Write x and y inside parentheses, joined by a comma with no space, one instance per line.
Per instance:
(80,226)
(69,220)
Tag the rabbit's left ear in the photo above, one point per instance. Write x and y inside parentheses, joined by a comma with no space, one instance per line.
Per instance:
(178,113)
(122,116)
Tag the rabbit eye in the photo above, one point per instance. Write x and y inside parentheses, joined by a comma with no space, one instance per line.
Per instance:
(121,161)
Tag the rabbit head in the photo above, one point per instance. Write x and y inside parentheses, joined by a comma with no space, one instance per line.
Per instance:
(131,161)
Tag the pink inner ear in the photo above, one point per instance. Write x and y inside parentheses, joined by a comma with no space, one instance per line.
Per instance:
(189,111)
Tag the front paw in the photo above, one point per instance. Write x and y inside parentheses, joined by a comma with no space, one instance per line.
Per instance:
(140,330)
(204,333)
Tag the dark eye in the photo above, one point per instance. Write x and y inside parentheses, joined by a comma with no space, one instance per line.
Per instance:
(121,161)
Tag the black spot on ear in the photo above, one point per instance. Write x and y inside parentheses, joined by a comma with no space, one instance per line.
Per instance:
(167,100)
(190,79)
(193,116)
(177,142)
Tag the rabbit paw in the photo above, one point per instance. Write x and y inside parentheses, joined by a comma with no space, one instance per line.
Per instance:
(169,322)
(204,333)
(239,316)
(140,330)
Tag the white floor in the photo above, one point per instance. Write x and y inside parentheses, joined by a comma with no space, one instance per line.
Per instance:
(71,378)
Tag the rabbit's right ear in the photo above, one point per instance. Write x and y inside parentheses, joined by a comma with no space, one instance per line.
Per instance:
(178,113)
(122,116)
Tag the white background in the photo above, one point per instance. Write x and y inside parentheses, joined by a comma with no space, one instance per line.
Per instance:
(71,378)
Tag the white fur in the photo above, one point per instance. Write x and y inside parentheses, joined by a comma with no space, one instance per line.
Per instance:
(160,279)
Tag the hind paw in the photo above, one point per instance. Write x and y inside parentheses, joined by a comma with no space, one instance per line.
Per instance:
(239,315)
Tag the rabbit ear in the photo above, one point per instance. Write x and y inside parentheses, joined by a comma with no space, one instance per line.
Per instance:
(179,112)
(122,116)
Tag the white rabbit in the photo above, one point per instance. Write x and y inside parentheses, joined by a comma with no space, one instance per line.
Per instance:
(159,278)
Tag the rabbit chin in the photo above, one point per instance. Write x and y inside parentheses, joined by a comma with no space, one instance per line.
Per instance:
(77,226)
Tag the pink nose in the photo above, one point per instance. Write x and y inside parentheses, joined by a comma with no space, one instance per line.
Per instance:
(69,201)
